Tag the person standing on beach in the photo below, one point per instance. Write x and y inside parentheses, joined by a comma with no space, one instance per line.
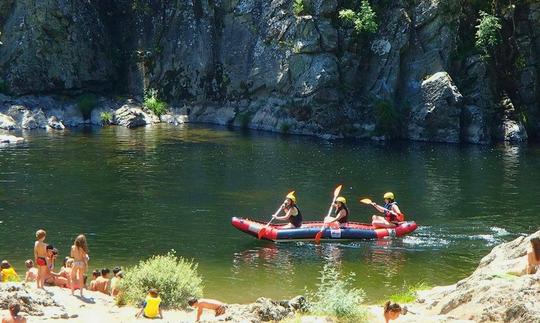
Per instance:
(40,255)
(79,253)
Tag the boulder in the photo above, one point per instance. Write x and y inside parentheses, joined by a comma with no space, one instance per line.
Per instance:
(56,124)
(497,291)
(437,116)
(9,139)
(131,116)
(474,127)
(7,122)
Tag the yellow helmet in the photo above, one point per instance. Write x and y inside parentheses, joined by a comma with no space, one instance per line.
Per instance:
(291,197)
(389,196)
(341,199)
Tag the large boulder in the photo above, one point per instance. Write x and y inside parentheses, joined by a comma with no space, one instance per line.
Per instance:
(437,117)
(497,291)
(7,122)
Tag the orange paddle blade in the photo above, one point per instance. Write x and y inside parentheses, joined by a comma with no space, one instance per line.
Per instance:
(261,232)
(366,201)
(318,237)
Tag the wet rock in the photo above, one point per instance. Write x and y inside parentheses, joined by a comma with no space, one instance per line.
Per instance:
(474,127)
(7,122)
(131,116)
(9,139)
(56,124)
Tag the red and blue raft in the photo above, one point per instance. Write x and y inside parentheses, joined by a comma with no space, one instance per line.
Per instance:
(350,231)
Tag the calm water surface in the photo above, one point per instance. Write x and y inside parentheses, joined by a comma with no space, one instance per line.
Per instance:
(141,192)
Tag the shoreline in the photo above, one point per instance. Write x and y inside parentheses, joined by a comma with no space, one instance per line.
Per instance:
(497,291)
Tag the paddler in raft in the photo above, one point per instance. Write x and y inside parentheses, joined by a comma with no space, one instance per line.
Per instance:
(341,214)
(292,212)
(392,213)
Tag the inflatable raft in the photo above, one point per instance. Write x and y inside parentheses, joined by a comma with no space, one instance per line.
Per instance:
(352,231)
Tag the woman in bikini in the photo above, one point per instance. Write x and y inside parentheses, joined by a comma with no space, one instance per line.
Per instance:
(79,253)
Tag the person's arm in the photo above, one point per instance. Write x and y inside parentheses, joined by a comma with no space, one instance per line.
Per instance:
(160,312)
(106,287)
(199,312)
(397,212)
(141,311)
(35,252)
(286,216)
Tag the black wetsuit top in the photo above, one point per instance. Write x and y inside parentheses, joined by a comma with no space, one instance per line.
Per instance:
(296,220)
(344,219)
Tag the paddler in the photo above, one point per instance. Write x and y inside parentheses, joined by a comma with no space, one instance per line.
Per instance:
(341,213)
(392,214)
(292,212)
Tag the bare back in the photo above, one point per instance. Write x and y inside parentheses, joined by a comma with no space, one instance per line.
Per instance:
(40,249)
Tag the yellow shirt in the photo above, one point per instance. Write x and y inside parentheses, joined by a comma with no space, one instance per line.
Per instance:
(151,309)
(9,275)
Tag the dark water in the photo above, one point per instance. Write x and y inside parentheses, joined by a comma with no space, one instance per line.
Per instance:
(141,192)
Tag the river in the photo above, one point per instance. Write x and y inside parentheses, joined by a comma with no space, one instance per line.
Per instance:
(140,192)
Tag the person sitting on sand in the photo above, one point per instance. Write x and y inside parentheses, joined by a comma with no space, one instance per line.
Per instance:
(392,214)
(32,272)
(206,303)
(14,317)
(533,256)
(292,212)
(152,305)
(341,214)
(115,281)
(40,257)
(391,311)
(8,273)
(52,278)
(102,282)
(79,253)
(95,274)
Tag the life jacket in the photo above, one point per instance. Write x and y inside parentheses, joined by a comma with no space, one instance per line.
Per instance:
(151,309)
(390,217)
(296,220)
(344,219)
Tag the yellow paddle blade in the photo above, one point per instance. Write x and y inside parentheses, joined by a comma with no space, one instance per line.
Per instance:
(366,201)
(337,190)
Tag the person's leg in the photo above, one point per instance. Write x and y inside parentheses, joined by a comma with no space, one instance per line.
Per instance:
(73,278)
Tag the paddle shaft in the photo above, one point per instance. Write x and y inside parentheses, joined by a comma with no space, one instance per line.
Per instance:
(336,193)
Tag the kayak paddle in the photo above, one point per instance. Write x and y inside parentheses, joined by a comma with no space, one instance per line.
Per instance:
(263,229)
(336,193)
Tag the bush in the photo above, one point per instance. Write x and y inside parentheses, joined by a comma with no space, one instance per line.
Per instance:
(106,117)
(86,103)
(488,32)
(363,21)
(298,7)
(152,102)
(335,297)
(176,280)
(408,294)
(386,119)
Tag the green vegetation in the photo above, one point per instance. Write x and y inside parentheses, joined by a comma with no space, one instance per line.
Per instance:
(335,296)
(298,7)
(387,119)
(487,32)
(152,102)
(106,117)
(408,293)
(363,21)
(86,103)
(175,278)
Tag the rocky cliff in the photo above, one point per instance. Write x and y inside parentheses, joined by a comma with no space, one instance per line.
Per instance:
(261,64)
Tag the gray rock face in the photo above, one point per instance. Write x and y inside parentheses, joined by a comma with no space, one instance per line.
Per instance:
(497,291)
(7,122)
(235,55)
(437,118)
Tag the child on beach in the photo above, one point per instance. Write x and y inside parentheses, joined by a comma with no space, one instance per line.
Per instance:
(206,303)
(40,256)
(7,273)
(14,317)
(115,281)
(391,311)
(102,282)
(151,306)
(95,274)
(79,253)
(31,273)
